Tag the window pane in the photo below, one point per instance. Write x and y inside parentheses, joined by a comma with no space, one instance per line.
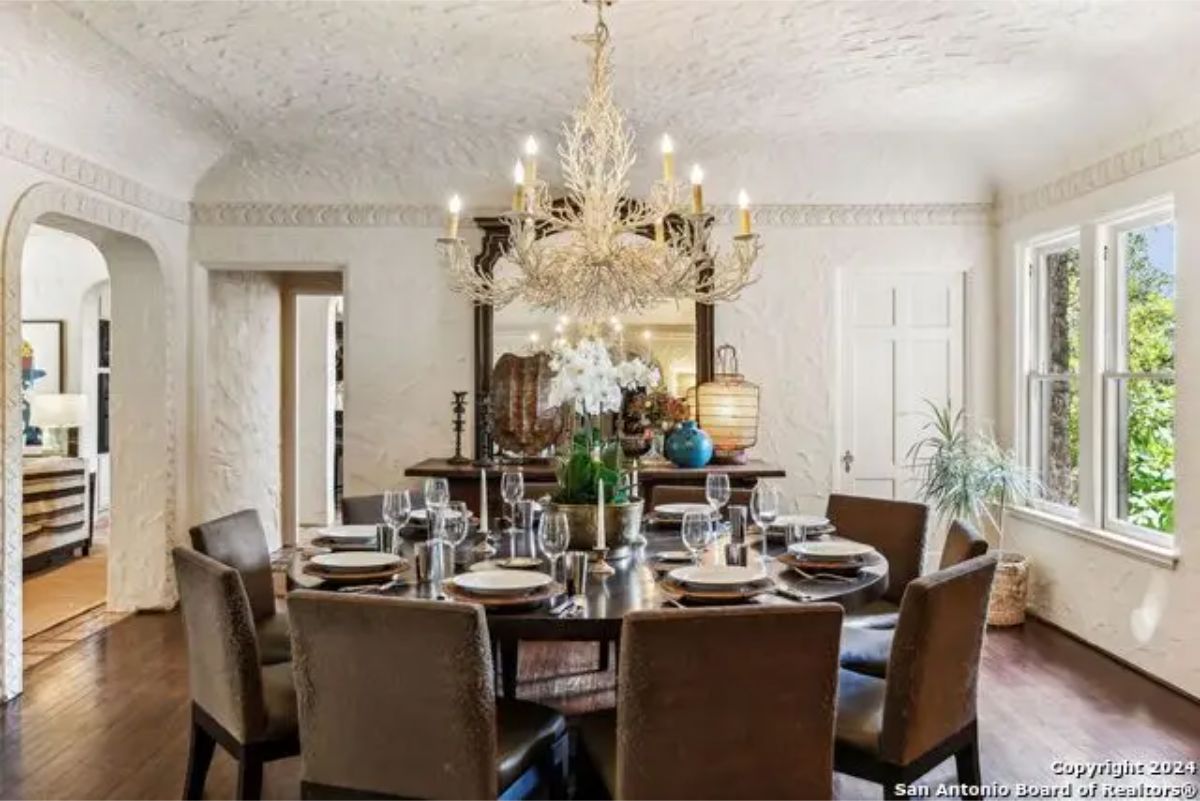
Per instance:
(1061,313)
(1148,272)
(1145,452)
(1055,416)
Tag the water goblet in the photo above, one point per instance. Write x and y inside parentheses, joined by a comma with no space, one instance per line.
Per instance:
(555,535)
(764,508)
(397,510)
(696,532)
(437,493)
(717,491)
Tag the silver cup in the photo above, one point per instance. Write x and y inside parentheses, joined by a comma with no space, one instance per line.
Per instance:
(423,554)
(385,538)
(735,554)
(576,573)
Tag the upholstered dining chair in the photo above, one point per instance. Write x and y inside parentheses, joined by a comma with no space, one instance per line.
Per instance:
(894,528)
(238,540)
(867,643)
(246,707)
(362,510)
(665,493)
(895,730)
(396,699)
(732,702)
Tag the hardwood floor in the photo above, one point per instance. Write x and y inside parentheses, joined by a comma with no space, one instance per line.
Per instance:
(108,717)
(40,647)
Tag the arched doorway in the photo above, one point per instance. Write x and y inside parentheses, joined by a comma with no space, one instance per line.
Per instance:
(142,411)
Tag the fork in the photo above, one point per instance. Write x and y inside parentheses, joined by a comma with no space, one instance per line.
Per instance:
(822,576)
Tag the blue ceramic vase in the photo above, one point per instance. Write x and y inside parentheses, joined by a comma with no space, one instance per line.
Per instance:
(688,446)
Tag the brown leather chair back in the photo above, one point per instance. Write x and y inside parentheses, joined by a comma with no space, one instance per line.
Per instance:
(933,672)
(894,528)
(362,510)
(223,669)
(963,542)
(238,540)
(728,703)
(663,493)
(395,696)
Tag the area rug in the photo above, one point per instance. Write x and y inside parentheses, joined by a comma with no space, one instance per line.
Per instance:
(60,593)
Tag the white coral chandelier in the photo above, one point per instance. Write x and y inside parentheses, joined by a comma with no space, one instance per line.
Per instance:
(606,263)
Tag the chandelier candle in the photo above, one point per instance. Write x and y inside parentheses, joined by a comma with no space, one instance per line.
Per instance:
(519,187)
(668,154)
(697,189)
(744,212)
(660,233)
(531,151)
(452,222)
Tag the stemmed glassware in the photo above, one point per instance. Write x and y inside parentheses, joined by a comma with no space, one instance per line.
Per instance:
(555,536)
(764,508)
(397,511)
(696,532)
(512,489)
(717,491)
(437,495)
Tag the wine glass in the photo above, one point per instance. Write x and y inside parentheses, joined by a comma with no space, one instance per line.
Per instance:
(456,522)
(512,489)
(555,535)
(764,508)
(696,532)
(717,491)
(437,493)
(397,510)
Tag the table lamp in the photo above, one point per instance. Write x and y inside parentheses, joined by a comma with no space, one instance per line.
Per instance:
(56,415)
(726,408)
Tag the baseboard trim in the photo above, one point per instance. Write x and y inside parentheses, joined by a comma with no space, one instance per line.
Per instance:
(1123,662)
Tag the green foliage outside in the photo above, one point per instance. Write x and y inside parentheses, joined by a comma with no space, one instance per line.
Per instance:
(1151,403)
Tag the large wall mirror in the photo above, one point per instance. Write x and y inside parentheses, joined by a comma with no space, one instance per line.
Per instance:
(676,336)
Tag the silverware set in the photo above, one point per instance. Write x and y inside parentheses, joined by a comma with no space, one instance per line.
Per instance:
(569,607)
(822,576)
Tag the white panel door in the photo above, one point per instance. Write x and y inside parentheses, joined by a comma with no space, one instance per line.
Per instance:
(902,345)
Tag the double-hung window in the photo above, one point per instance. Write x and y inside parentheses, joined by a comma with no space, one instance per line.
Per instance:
(1139,376)
(1100,374)
(1053,380)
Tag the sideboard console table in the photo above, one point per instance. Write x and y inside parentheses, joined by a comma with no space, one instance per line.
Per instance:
(464,478)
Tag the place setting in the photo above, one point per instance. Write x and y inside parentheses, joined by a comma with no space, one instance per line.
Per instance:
(347,538)
(829,560)
(355,567)
(502,589)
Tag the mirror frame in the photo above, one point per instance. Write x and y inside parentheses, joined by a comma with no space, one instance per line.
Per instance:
(495,234)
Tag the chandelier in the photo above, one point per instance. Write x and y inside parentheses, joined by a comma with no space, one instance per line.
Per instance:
(596,251)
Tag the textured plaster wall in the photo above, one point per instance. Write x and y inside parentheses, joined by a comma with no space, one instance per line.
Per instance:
(1141,612)
(407,337)
(242,398)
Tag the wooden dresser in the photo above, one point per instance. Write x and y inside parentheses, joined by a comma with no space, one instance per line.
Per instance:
(55,509)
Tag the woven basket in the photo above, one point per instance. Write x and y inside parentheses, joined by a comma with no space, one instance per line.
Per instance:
(1010,591)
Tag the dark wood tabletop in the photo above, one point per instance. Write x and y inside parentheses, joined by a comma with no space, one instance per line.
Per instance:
(633,586)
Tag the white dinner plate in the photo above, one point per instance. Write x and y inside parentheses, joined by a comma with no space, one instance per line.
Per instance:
(519,562)
(716,577)
(423,514)
(680,509)
(804,521)
(355,561)
(831,550)
(501,582)
(674,556)
(347,533)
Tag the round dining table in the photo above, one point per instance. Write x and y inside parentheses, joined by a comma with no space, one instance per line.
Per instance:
(632,586)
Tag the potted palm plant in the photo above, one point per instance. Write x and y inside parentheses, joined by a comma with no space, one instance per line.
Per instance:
(966,475)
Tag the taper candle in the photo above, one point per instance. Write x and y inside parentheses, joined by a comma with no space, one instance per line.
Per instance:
(519,187)
(483,502)
(452,223)
(697,189)
(600,538)
(744,211)
(531,151)
(668,156)
(660,231)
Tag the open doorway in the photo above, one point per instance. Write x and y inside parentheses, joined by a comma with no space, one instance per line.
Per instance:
(65,365)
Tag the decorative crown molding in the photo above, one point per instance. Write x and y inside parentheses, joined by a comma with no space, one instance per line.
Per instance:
(383,215)
(1149,155)
(88,174)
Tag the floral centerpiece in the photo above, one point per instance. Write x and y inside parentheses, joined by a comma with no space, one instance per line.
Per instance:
(593,484)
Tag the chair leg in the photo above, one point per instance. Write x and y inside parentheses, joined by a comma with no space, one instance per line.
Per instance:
(250,768)
(604,644)
(967,762)
(200,754)
(509,654)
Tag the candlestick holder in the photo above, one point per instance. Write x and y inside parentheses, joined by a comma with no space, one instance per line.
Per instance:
(460,423)
(487,423)
(599,564)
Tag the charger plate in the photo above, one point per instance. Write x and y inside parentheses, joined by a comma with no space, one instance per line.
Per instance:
(737,595)
(836,568)
(365,577)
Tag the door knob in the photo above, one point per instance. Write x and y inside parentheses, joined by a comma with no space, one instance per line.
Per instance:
(847,461)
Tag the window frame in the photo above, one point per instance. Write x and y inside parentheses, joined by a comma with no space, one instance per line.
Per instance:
(1036,370)
(1114,367)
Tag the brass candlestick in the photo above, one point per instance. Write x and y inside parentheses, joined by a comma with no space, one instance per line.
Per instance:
(600,565)
(460,407)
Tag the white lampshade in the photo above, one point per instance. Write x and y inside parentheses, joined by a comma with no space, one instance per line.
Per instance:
(58,411)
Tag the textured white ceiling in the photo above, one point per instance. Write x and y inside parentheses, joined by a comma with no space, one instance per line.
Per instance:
(827,101)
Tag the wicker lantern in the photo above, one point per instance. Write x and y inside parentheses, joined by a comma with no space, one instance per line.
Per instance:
(726,408)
